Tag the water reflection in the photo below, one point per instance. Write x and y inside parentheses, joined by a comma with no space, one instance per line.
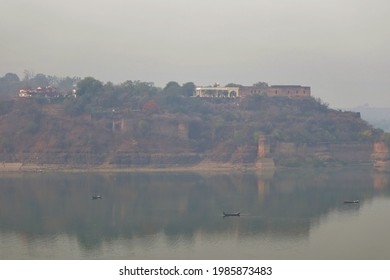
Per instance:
(181,209)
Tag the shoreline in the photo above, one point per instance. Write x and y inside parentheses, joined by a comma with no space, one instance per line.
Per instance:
(201,167)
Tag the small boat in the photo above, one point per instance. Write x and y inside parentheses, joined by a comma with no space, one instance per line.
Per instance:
(351,201)
(231,214)
(96,197)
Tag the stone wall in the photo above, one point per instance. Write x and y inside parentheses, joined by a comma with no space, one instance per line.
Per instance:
(289,91)
(277,90)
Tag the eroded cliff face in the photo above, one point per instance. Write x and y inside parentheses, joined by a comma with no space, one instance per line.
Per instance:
(381,156)
(292,154)
(46,134)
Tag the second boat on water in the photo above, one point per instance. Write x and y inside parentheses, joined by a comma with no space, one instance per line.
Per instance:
(230,214)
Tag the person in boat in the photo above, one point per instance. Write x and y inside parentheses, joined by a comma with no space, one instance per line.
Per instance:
(351,201)
(230,214)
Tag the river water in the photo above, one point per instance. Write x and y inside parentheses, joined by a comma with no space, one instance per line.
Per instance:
(287,214)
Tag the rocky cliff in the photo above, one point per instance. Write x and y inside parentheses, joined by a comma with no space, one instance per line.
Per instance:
(256,132)
(292,154)
(381,156)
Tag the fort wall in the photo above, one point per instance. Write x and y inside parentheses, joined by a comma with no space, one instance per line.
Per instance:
(276,90)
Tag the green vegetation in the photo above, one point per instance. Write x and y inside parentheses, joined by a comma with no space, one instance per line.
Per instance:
(138,118)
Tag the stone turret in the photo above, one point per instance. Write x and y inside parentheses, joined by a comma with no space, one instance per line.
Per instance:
(182,128)
(264,159)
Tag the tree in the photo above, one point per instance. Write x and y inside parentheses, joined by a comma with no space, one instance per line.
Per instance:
(188,89)
(127,86)
(89,85)
(11,77)
(9,84)
(28,75)
(39,80)
(67,84)
(173,89)
(151,107)
(139,88)
(233,85)
(260,85)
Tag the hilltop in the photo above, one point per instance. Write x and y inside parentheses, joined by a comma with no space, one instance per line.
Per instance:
(136,124)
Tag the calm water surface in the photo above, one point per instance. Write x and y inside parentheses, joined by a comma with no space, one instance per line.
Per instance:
(290,214)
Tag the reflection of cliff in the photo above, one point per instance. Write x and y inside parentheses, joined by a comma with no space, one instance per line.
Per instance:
(380,181)
(136,205)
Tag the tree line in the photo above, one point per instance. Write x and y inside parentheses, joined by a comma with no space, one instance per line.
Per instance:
(10,83)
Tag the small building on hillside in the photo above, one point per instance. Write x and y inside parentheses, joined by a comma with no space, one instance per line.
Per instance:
(217,92)
(276,90)
(24,93)
(288,91)
(40,91)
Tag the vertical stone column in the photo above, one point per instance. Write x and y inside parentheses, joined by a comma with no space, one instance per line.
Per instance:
(261,149)
(264,159)
(183,130)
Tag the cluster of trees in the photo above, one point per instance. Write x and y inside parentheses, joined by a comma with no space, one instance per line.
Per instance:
(94,95)
(10,84)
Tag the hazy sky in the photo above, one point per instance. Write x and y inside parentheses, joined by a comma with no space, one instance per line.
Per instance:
(341,48)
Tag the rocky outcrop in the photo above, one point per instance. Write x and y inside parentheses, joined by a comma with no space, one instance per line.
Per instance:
(381,156)
(292,154)
(264,157)
(257,132)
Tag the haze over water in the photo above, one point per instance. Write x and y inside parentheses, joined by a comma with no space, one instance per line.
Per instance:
(291,214)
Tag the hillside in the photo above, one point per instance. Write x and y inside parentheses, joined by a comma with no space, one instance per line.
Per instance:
(137,124)
(377,116)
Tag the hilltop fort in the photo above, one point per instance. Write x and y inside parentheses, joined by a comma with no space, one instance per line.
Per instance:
(243,91)
(138,125)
